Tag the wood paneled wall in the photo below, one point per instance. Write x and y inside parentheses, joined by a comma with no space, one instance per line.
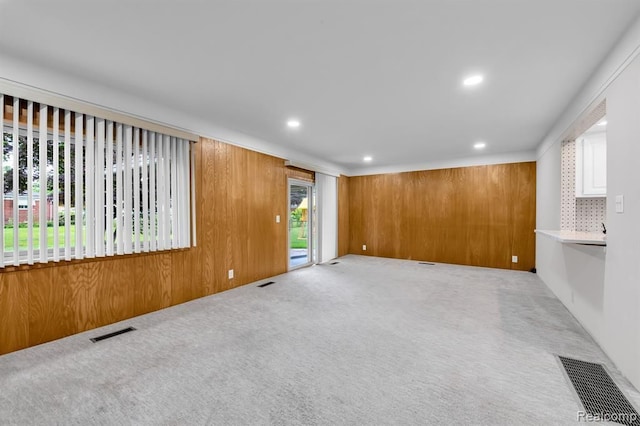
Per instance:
(343,215)
(239,193)
(477,216)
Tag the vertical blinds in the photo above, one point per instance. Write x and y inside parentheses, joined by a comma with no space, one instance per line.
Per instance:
(77,186)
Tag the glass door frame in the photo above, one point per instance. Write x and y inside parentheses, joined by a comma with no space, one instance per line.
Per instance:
(310,222)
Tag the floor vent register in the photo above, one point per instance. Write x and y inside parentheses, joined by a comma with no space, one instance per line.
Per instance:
(601,398)
(113,334)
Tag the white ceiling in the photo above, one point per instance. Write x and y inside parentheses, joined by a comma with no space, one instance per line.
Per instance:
(381,78)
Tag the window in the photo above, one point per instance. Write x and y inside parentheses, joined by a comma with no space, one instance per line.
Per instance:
(85,186)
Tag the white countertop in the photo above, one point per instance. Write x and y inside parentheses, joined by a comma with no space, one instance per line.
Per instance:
(576,237)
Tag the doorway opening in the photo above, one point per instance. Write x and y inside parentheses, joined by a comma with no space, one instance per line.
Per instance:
(301,224)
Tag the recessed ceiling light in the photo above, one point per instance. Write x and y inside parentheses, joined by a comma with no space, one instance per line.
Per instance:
(367,158)
(473,80)
(479,145)
(293,123)
(602,123)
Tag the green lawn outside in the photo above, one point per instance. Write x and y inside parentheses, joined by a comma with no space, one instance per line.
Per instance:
(295,242)
(24,232)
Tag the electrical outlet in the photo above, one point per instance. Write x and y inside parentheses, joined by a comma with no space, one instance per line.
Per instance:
(514,259)
(364,247)
(277,218)
(230,274)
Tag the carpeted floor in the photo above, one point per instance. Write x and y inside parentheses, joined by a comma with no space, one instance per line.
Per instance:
(366,341)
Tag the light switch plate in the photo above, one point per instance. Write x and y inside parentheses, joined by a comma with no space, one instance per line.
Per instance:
(230,274)
(277,218)
(364,247)
(514,259)
(619,203)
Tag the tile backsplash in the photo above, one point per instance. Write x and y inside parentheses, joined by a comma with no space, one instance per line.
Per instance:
(591,213)
(577,214)
(568,185)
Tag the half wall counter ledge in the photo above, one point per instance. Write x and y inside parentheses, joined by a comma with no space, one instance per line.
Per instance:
(575,237)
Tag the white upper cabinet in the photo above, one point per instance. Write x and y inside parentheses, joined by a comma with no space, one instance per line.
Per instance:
(591,165)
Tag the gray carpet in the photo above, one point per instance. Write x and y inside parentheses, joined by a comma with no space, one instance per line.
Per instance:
(366,341)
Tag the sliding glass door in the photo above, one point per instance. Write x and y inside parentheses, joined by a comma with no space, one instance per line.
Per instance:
(301,223)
